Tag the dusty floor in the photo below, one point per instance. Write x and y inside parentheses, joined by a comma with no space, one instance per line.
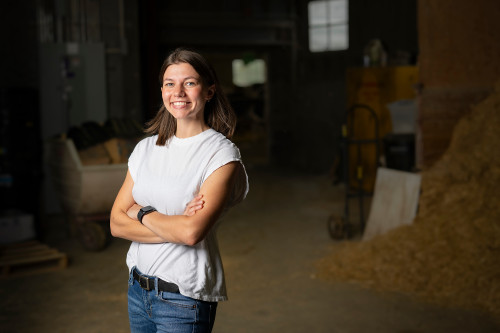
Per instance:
(269,243)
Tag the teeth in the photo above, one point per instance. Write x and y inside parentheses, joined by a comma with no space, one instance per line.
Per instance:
(179,103)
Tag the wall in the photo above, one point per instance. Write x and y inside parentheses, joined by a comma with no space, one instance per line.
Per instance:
(321,90)
(223,31)
(120,33)
(21,34)
(459,65)
(113,22)
(20,148)
(20,67)
(18,34)
(307,94)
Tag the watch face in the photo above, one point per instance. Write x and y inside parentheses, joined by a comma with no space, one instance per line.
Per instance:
(147,209)
(143,211)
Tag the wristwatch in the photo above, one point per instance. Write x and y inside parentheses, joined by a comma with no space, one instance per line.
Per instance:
(144,211)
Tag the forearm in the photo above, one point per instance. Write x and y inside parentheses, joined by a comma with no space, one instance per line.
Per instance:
(129,227)
(178,229)
(122,226)
(190,230)
(123,219)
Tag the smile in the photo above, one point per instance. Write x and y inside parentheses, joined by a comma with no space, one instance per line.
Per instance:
(179,103)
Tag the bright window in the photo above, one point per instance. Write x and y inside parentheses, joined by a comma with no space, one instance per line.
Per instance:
(328,25)
(246,74)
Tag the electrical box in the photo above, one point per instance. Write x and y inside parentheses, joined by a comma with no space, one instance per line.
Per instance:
(72,85)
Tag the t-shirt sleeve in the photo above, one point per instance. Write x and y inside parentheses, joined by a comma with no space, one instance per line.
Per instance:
(223,157)
(134,159)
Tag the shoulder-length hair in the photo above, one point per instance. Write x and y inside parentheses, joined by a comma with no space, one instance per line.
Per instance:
(218,113)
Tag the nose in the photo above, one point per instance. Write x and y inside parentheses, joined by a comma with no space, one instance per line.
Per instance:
(179,91)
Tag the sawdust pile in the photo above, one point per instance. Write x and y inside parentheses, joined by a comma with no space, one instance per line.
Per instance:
(450,255)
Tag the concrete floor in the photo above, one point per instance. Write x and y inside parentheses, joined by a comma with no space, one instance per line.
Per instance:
(270,244)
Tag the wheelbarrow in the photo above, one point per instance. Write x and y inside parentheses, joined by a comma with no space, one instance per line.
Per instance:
(86,192)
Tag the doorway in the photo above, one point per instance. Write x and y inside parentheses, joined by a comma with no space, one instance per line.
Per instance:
(243,76)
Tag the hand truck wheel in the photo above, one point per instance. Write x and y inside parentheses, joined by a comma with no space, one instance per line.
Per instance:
(337,227)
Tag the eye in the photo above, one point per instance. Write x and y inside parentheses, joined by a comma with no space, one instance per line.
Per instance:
(190,83)
(168,84)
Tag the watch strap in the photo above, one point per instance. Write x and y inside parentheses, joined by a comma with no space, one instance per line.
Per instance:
(144,211)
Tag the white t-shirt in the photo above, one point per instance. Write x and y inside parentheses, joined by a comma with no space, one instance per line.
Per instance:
(167,178)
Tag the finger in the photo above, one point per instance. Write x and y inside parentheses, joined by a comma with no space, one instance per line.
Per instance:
(197,198)
(197,208)
(193,209)
(195,203)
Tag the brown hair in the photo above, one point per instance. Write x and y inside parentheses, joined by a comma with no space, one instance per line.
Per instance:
(218,113)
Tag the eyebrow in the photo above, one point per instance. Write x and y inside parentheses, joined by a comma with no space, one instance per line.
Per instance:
(186,78)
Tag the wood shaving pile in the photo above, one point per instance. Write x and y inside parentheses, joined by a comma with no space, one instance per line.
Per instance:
(450,255)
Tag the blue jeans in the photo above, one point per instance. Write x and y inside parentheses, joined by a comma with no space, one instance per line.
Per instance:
(159,311)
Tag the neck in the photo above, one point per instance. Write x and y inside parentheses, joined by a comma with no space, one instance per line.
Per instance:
(189,129)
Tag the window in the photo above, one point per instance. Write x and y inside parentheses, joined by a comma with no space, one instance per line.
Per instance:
(249,73)
(328,25)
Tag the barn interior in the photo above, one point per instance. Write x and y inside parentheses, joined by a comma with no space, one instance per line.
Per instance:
(369,131)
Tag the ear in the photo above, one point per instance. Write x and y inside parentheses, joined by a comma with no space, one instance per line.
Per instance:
(211,92)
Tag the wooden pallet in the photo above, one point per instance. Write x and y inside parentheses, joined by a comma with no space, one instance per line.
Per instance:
(30,258)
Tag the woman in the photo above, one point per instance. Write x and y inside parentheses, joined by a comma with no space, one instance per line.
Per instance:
(179,183)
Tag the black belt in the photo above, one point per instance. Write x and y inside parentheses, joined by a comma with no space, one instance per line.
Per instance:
(148,283)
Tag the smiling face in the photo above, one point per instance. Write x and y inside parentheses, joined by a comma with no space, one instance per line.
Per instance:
(184,93)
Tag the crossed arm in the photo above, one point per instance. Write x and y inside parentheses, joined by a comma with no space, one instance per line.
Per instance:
(189,229)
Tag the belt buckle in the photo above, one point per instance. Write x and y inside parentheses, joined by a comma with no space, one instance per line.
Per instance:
(144,283)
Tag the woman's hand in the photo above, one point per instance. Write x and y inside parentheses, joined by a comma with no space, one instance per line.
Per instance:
(194,205)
